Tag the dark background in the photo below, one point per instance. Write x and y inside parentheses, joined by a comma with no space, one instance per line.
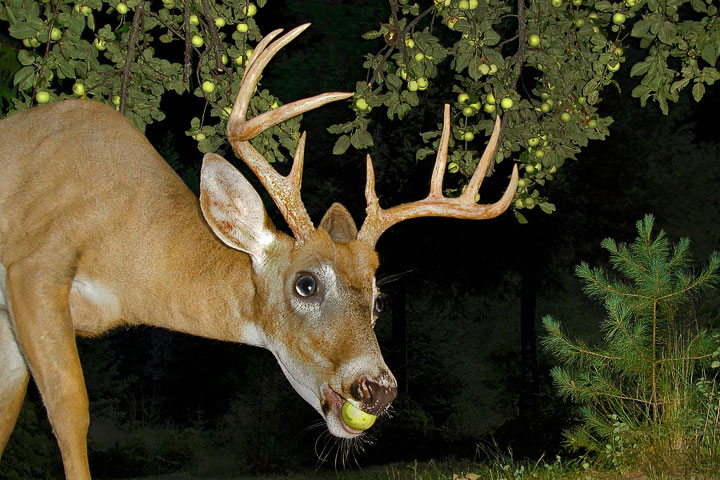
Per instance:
(460,329)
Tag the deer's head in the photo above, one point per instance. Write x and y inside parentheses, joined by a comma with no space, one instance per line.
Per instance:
(318,298)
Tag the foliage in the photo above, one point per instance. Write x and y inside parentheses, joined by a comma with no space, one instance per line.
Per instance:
(131,54)
(542,64)
(648,394)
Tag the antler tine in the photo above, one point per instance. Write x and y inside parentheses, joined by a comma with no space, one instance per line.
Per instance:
(441,159)
(239,128)
(285,191)
(436,204)
(473,186)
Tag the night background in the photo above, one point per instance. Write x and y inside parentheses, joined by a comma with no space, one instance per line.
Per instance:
(461,326)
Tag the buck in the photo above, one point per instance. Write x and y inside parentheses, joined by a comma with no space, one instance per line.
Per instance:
(97,231)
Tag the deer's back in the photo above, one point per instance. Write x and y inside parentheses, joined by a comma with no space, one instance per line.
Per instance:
(76,172)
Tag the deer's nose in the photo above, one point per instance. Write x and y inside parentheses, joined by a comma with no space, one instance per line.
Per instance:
(374,397)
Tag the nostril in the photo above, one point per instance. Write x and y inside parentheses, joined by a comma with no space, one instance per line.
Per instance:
(374,397)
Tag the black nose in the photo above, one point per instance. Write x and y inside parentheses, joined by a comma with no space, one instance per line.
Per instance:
(374,398)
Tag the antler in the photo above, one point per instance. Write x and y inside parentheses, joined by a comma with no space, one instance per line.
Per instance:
(436,204)
(285,191)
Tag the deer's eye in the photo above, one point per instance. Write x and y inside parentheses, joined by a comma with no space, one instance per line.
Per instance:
(306,285)
(379,304)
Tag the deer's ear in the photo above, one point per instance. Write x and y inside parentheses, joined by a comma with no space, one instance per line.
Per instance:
(233,208)
(338,222)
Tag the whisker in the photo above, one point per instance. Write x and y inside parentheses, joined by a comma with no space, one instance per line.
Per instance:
(385,279)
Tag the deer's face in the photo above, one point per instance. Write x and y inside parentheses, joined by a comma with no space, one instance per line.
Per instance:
(315,302)
(320,329)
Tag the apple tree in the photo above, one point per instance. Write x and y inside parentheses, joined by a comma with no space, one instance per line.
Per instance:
(130,53)
(543,65)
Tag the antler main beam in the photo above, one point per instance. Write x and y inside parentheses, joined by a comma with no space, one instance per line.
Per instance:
(285,191)
(436,204)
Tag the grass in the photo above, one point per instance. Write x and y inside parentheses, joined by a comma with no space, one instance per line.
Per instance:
(500,469)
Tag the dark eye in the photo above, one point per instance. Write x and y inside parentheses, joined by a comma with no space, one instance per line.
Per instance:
(306,285)
(379,304)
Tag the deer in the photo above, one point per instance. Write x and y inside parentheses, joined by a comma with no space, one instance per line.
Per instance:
(97,232)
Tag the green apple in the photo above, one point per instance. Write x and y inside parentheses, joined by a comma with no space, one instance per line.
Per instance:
(194,20)
(463,5)
(473,4)
(529,202)
(556,3)
(489,108)
(533,40)
(99,44)
(519,203)
(55,34)
(614,67)
(506,103)
(361,104)
(579,22)
(545,107)
(453,167)
(490,99)
(468,111)
(463,97)
(422,83)
(553,169)
(410,42)
(220,22)
(468,136)
(530,169)
(534,141)
(356,418)
(539,154)
(199,136)
(85,10)
(42,96)
(592,123)
(413,85)
(78,89)
(242,27)
(618,18)
(522,183)
(121,8)
(197,41)
(565,117)
(419,56)
(116,100)
(577,3)
(484,68)
(208,86)
(493,68)
(250,10)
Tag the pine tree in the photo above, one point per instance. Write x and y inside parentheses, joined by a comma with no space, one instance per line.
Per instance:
(645,390)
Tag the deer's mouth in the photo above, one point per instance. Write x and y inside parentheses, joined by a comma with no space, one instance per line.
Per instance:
(332,408)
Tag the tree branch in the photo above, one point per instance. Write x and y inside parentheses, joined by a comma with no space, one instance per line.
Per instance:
(132,43)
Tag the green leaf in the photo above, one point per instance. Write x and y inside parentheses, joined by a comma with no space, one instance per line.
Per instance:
(698,91)
(371,35)
(23,76)
(341,145)
(709,52)
(667,33)
(21,30)
(715,364)
(547,207)
(639,68)
(26,58)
